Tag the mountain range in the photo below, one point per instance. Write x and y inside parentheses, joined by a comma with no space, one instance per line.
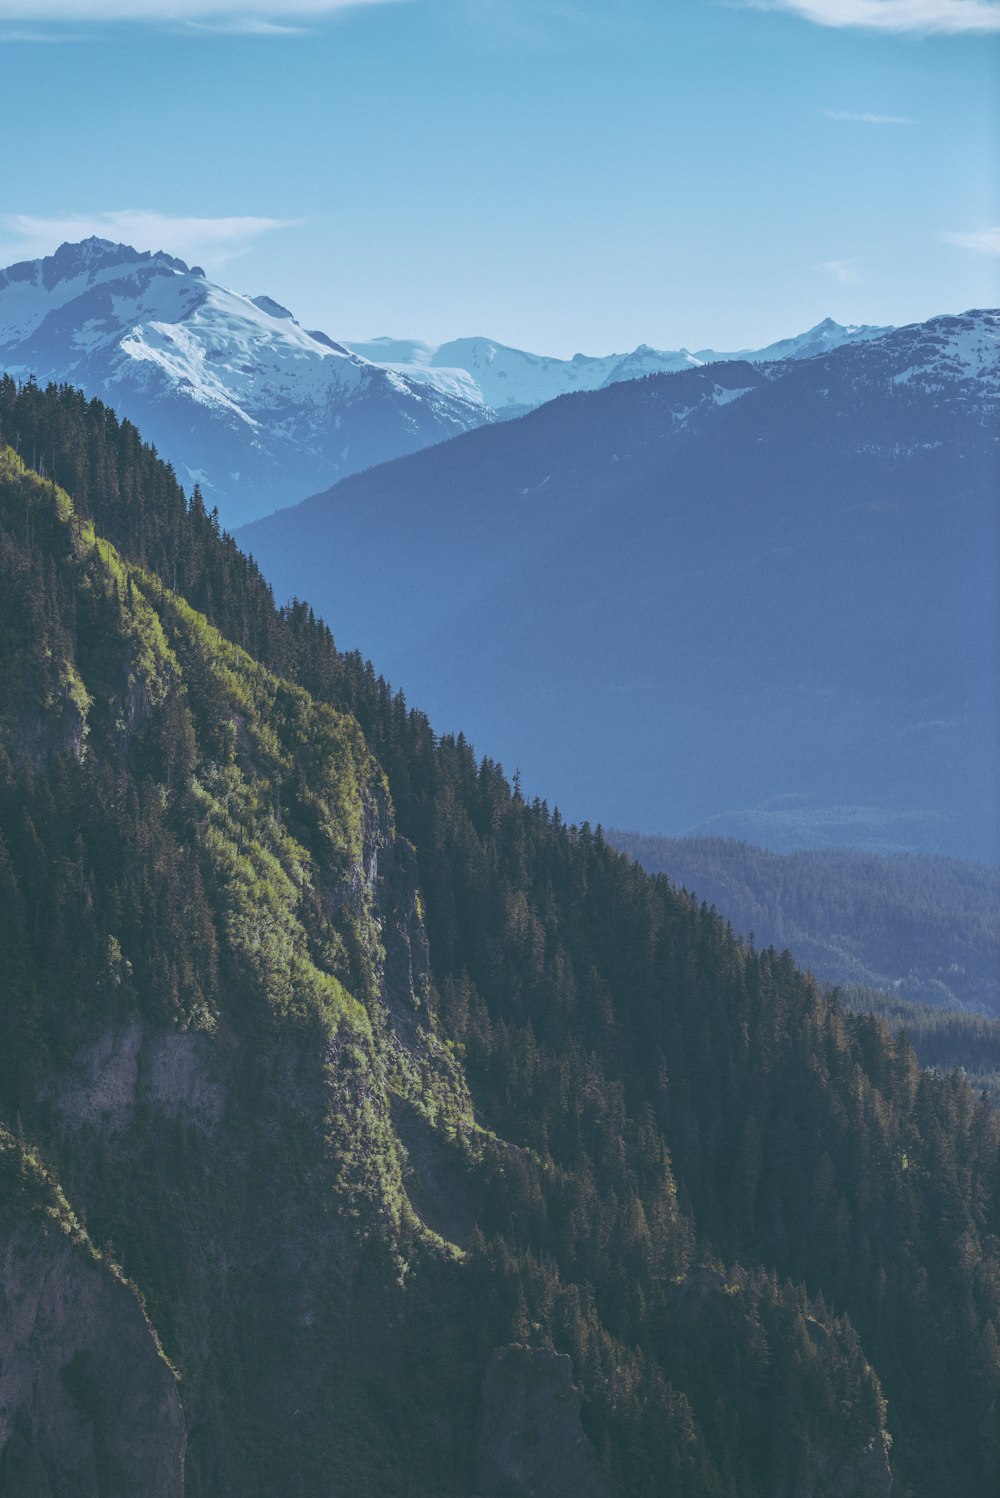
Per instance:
(748,599)
(511,381)
(251,406)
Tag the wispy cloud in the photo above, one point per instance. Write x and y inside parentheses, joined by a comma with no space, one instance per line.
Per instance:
(867,119)
(844,271)
(210,241)
(249,17)
(535,25)
(243,26)
(893,15)
(22,34)
(984,241)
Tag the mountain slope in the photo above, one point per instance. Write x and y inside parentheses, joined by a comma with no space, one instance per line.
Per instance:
(928,929)
(912,940)
(751,600)
(233,391)
(241,925)
(279,1080)
(512,381)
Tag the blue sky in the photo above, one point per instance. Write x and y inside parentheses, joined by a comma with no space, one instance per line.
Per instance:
(560,174)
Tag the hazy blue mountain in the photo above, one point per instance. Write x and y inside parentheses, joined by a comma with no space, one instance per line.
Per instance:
(757,600)
(238,396)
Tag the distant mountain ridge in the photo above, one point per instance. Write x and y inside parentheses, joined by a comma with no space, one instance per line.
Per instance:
(237,395)
(513,381)
(748,599)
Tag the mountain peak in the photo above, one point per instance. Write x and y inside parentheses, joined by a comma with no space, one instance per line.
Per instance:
(87,256)
(265,407)
(32,290)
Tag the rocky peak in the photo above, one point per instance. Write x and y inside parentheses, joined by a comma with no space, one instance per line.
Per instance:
(89,256)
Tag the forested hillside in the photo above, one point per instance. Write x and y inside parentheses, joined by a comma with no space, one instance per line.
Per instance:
(946,1040)
(361,1084)
(913,939)
(927,928)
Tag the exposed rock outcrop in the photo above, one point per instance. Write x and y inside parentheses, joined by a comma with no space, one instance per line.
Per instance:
(531,1442)
(823,1474)
(176,1071)
(88,1404)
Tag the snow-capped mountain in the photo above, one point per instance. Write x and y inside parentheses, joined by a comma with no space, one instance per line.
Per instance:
(231,389)
(757,599)
(261,411)
(512,381)
(955,356)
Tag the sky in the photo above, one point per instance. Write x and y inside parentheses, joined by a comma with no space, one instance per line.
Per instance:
(560,175)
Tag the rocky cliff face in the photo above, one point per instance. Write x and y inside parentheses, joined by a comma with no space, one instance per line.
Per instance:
(531,1442)
(828,1475)
(89,1406)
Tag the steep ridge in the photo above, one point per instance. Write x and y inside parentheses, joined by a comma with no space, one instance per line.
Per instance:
(913,940)
(247,988)
(232,390)
(632,1140)
(765,594)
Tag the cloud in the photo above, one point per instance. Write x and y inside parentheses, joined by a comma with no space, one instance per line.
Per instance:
(985,241)
(535,25)
(844,271)
(244,26)
(209,241)
(249,17)
(21,34)
(893,15)
(867,119)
